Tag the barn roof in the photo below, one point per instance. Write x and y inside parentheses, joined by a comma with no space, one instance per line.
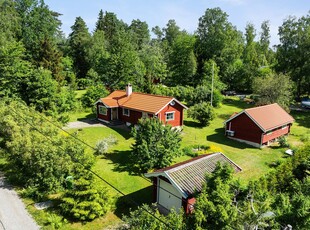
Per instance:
(138,101)
(267,117)
(189,176)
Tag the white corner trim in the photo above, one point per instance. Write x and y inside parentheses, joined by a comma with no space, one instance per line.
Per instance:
(175,185)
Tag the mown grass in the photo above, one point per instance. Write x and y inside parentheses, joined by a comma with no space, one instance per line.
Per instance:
(117,166)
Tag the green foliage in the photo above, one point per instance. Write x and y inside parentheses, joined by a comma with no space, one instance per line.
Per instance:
(123,65)
(155,145)
(140,33)
(217,39)
(55,221)
(144,218)
(269,91)
(293,52)
(34,160)
(45,96)
(283,141)
(103,145)
(39,25)
(79,42)
(182,60)
(93,94)
(13,69)
(97,55)
(155,66)
(85,202)
(213,207)
(203,112)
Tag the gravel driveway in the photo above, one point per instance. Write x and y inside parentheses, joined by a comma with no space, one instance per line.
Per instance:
(84,124)
(13,214)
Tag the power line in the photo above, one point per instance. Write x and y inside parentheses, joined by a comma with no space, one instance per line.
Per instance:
(101,178)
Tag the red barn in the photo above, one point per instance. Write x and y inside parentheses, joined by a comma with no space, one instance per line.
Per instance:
(129,107)
(176,185)
(260,125)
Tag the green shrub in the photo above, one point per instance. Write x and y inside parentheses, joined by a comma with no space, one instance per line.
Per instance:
(188,151)
(85,202)
(93,93)
(203,112)
(283,141)
(55,221)
(103,145)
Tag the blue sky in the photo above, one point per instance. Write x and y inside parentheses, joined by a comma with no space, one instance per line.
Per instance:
(185,12)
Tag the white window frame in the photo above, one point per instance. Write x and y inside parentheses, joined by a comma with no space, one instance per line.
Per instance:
(100,111)
(124,109)
(269,133)
(167,114)
(284,126)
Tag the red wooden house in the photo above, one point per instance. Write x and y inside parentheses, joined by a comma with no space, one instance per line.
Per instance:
(176,185)
(260,125)
(129,107)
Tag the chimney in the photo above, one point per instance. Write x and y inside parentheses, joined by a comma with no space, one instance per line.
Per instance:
(128,90)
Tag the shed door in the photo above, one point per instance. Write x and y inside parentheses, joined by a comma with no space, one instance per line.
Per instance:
(168,196)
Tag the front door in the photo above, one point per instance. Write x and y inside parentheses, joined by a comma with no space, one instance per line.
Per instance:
(114,114)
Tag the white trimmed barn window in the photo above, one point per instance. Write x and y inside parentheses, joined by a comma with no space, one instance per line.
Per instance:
(126,112)
(103,110)
(170,116)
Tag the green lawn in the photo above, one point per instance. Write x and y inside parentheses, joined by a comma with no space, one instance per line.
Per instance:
(117,168)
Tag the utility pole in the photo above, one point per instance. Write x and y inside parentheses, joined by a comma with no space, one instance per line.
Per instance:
(212,83)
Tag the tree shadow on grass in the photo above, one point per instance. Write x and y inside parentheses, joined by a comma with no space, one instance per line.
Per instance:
(130,202)
(192,124)
(220,138)
(302,118)
(123,131)
(236,103)
(123,162)
(88,117)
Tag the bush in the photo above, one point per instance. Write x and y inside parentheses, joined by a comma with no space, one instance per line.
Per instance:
(103,145)
(283,141)
(55,221)
(188,151)
(155,145)
(85,202)
(92,94)
(203,112)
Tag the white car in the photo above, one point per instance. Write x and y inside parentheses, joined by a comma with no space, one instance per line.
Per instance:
(305,103)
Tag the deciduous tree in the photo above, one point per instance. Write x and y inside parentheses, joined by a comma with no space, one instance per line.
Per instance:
(269,91)
(155,145)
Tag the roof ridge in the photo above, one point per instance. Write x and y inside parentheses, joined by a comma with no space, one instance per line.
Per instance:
(189,162)
(259,107)
(155,95)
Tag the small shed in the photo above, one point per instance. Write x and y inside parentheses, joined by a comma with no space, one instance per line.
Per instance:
(175,186)
(259,126)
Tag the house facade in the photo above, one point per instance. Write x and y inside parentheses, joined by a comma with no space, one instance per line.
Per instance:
(175,186)
(259,126)
(129,107)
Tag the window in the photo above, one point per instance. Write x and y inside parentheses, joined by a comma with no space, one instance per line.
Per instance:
(126,112)
(284,126)
(103,110)
(170,116)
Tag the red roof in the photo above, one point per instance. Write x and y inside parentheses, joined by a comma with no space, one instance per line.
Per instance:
(267,117)
(138,101)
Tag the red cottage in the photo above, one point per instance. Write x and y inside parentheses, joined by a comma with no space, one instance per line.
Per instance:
(260,125)
(176,185)
(129,107)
